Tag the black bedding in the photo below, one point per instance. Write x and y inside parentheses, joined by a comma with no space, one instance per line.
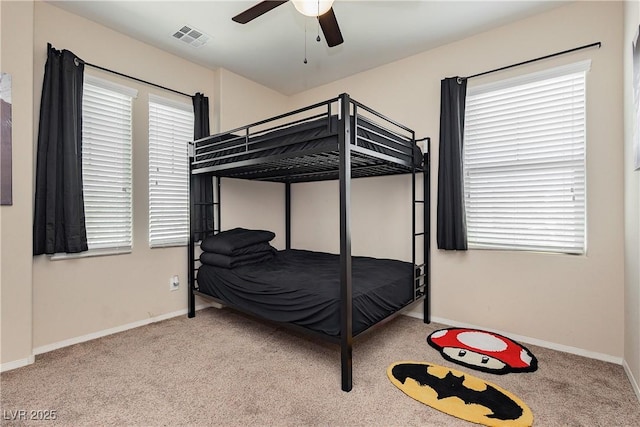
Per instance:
(303,287)
(317,136)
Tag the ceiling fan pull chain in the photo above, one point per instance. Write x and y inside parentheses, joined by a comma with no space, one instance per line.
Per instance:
(318,38)
(305,41)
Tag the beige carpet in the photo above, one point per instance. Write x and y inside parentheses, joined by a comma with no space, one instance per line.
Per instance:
(223,369)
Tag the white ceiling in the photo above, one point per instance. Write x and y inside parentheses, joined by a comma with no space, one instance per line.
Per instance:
(270,49)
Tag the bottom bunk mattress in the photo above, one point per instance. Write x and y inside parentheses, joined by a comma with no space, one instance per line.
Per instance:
(303,287)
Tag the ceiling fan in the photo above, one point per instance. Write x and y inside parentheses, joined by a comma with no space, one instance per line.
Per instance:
(322,9)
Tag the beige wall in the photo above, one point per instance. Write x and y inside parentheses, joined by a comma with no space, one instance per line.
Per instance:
(15,221)
(76,297)
(562,299)
(243,101)
(247,203)
(380,216)
(632,206)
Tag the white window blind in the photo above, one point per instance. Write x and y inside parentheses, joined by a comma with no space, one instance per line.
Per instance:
(524,162)
(106,163)
(170,130)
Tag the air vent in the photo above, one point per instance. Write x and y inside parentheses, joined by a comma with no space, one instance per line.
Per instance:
(191,36)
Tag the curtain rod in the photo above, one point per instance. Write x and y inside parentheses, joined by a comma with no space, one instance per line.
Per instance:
(136,79)
(598,44)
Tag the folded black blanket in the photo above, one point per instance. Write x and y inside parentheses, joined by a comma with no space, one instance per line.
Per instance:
(247,250)
(233,242)
(225,261)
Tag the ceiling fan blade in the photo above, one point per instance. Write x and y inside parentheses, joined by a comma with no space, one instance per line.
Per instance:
(257,10)
(330,28)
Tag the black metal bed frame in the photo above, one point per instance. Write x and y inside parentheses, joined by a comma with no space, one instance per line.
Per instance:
(314,166)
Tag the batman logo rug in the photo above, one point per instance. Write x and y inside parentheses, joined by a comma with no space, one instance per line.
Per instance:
(459,394)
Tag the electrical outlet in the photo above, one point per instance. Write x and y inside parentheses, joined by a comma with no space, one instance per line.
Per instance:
(174,283)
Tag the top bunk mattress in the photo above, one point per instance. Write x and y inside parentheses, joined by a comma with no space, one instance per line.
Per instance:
(303,287)
(311,143)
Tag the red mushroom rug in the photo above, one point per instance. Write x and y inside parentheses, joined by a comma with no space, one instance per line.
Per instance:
(459,394)
(482,350)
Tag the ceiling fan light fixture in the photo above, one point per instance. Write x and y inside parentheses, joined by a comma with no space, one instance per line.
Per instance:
(313,7)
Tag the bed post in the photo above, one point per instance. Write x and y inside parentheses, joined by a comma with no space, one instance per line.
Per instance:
(427,231)
(191,301)
(346,331)
(218,206)
(287,214)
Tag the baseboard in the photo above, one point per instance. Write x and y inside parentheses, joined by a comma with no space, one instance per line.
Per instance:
(528,340)
(92,336)
(632,379)
(17,364)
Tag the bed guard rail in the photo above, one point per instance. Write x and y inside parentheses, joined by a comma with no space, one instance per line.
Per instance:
(371,127)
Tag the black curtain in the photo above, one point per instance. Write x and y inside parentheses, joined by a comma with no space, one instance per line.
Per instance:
(59,222)
(201,185)
(452,227)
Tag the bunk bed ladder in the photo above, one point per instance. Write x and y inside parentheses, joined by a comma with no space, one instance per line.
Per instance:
(422,274)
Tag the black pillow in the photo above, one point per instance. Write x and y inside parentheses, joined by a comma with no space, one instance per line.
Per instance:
(251,249)
(225,261)
(232,241)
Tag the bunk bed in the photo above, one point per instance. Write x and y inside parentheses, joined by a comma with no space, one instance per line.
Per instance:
(336,297)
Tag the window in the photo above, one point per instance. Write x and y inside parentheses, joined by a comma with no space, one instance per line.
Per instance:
(524,162)
(106,164)
(170,130)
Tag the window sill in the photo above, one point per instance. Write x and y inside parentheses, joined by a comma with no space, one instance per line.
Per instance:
(168,245)
(529,251)
(91,253)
